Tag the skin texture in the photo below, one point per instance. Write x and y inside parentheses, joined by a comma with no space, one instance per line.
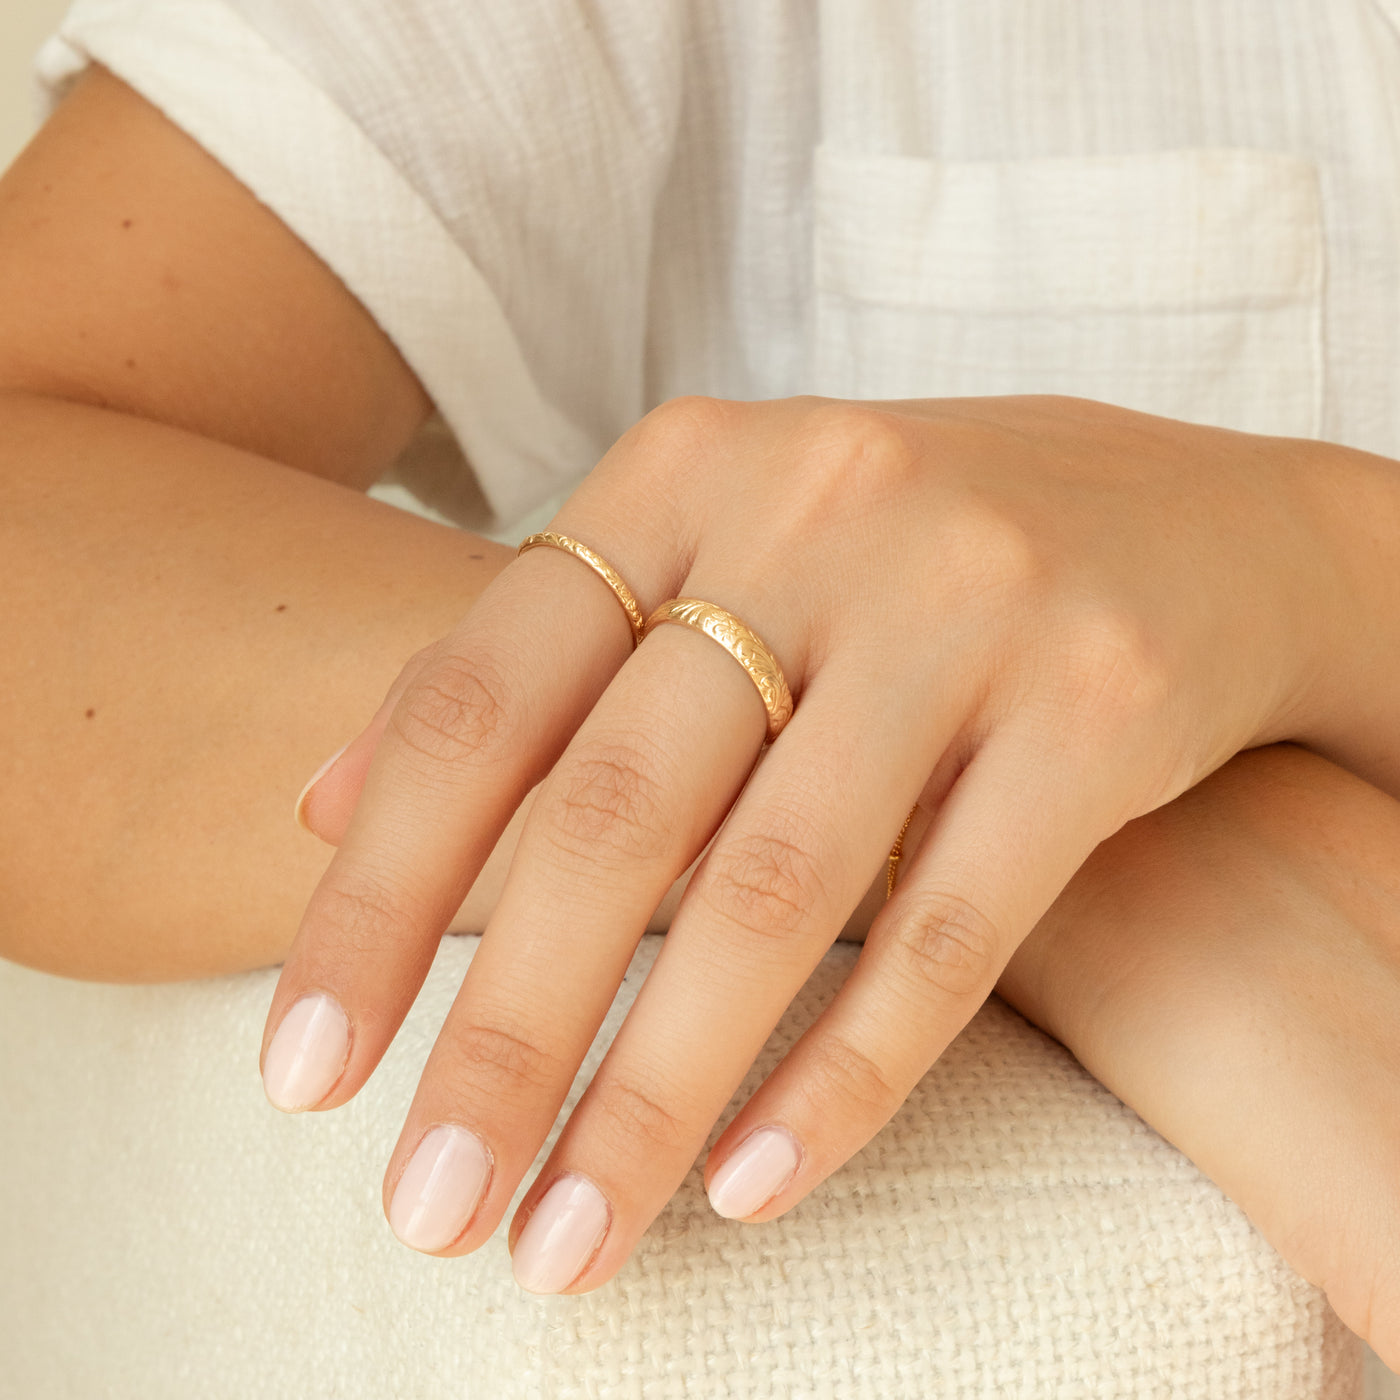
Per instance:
(177,371)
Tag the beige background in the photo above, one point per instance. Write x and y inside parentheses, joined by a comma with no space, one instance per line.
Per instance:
(24,24)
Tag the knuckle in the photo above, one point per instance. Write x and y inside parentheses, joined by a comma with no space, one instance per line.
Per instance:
(627,1112)
(838,1072)
(649,471)
(370,916)
(423,656)
(511,1060)
(1114,670)
(456,710)
(943,944)
(853,431)
(611,799)
(986,551)
(857,450)
(677,428)
(764,882)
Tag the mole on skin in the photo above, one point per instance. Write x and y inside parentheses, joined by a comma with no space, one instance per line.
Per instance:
(90,713)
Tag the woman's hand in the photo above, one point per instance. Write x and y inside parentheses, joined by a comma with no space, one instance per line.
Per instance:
(1230,967)
(1039,617)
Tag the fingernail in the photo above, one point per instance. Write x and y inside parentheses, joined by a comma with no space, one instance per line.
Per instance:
(308,1053)
(561,1236)
(439,1190)
(299,811)
(755,1172)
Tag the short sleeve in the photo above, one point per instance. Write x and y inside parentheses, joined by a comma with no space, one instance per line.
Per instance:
(482,177)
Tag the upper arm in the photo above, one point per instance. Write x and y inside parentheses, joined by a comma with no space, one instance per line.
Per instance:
(137,274)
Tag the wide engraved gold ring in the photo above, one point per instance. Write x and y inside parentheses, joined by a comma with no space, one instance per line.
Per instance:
(743,644)
(552,539)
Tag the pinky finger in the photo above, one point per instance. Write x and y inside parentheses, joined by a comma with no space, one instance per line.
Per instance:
(1008,838)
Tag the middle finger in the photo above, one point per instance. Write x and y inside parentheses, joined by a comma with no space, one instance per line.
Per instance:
(631,802)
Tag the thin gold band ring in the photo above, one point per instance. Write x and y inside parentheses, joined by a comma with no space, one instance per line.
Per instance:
(743,644)
(896,853)
(600,566)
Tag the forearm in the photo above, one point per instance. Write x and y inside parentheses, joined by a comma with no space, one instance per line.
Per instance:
(1229,966)
(1190,914)
(191,629)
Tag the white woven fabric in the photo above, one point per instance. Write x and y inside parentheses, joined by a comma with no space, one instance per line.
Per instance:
(1014,1232)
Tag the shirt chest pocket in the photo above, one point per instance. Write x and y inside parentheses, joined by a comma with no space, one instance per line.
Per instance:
(1186,283)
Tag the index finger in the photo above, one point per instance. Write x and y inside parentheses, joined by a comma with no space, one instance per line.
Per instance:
(473,732)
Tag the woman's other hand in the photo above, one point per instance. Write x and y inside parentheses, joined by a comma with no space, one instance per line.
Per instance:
(1040,617)
(1230,967)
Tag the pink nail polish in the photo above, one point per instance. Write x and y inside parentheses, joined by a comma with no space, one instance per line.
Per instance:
(299,811)
(561,1236)
(308,1054)
(440,1189)
(755,1172)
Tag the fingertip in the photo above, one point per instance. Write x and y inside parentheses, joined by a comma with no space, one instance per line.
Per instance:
(755,1172)
(440,1189)
(562,1237)
(307,1055)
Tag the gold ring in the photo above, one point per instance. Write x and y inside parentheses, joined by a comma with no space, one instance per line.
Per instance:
(896,851)
(743,644)
(600,566)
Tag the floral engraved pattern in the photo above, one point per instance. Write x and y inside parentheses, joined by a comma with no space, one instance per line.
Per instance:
(600,566)
(743,644)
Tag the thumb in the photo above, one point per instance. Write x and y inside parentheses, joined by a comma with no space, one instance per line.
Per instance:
(327,802)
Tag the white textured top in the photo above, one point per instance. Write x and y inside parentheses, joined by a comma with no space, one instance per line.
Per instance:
(564,212)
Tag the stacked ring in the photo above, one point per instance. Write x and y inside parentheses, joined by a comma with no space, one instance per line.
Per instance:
(553,540)
(736,637)
(896,853)
(743,644)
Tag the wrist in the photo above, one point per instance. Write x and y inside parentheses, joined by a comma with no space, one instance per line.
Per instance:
(1181,866)
(1347,705)
(1229,854)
